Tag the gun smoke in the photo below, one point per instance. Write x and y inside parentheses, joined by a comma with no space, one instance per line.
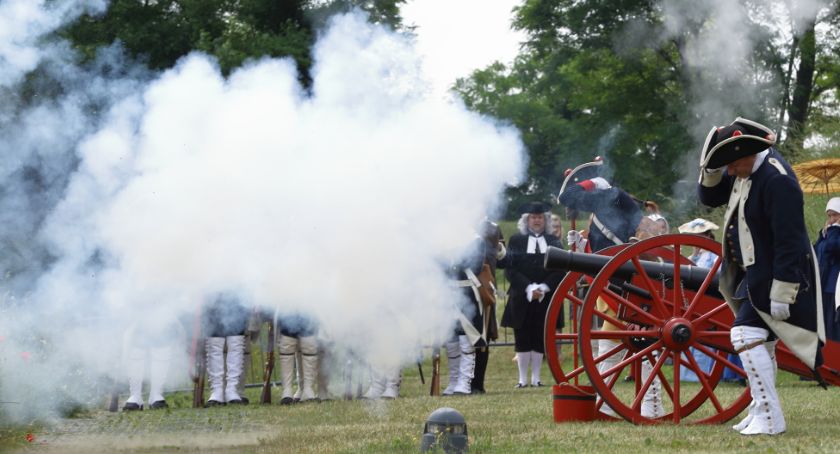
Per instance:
(131,198)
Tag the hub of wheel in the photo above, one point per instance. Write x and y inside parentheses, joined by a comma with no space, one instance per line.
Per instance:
(677,334)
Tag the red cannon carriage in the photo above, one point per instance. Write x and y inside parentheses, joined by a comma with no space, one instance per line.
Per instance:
(651,299)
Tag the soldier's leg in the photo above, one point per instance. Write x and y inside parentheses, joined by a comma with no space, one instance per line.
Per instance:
(159,359)
(466,367)
(309,366)
(235,368)
(286,348)
(767,417)
(136,366)
(215,347)
(453,361)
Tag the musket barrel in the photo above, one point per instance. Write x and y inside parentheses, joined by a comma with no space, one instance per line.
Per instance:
(691,276)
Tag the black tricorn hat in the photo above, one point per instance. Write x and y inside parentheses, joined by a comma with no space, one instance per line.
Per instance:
(727,144)
(535,208)
(582,172)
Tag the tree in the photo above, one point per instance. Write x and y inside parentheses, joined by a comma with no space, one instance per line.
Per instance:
(159,32)
(638,82)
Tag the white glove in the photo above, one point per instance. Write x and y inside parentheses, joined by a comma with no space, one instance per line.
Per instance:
(779,311)
(600,183)
(574,238)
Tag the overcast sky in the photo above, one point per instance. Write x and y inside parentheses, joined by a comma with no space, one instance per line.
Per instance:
(456,37)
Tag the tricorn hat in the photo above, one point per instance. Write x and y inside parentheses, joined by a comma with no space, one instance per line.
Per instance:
(582,172)
(727,144)
(698,225)
(535,208)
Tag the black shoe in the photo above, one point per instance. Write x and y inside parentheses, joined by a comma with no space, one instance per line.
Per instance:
(158,404)
(478,391)
(537,384)
(245,400)
(214,403)
(521,385)
(287,401)
(131,406)
(237,402)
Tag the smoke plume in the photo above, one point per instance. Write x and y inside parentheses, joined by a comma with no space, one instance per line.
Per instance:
(343,203)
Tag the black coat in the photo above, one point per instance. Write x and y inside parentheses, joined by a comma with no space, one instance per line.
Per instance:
(521,270)
(774,215)
(614,208)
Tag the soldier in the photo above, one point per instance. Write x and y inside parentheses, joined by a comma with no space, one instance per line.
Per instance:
(297,336)
(531,286)
(150,342)
(225,321)
(616,219)
(768,271)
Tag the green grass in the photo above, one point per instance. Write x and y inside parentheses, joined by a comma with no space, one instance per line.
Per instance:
(504,420)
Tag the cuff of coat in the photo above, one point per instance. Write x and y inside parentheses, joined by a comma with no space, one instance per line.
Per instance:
(710,179)
(784,292)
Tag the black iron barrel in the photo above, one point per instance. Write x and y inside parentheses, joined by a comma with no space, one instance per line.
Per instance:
(692,277)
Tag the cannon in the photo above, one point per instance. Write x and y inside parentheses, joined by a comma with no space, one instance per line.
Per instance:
(658,307)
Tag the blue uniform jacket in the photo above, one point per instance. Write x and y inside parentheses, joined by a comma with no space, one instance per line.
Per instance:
(780,260)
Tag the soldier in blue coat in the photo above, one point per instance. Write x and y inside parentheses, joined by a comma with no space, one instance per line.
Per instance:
(828,255)
(768,274)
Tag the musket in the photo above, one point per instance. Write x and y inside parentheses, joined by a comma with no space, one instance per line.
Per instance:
(435,388)
(197,362)
(114,404)
(265,397)
(420,368)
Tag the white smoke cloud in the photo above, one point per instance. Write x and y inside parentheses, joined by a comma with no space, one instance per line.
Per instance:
(342,203)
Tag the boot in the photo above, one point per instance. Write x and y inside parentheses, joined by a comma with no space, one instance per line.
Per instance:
(377,386)
(768,418)
(392,386)
(235,367)
(771,350)
(466,369)
(323,378)
(536,367)
(135,368)
(299,372)
(158,369)
(286,347)
(482,357)
(652,401)
(523,359)
(215,347)
(309,366)
(453,360)
(605,345)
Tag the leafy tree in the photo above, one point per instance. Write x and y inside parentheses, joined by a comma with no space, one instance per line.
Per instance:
(160,32)
(613,78)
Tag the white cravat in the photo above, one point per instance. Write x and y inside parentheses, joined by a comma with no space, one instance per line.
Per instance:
(533,241)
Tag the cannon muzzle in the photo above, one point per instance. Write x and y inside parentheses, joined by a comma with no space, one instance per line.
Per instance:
(692,277)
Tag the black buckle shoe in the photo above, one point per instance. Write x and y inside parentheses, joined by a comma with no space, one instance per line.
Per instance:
(537,384)
(131,406)
(158,404)
(287,401)
(521,385)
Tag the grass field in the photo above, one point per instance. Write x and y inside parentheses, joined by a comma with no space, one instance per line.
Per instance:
(503,420)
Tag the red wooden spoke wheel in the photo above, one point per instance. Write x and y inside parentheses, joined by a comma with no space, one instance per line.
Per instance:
(572,292)
(651,306)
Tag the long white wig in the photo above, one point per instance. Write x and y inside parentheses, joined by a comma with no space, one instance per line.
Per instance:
(522,224)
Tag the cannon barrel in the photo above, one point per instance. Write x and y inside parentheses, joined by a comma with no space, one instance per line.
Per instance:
(692,277)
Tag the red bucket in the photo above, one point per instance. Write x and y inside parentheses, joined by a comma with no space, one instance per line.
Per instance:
(573,402)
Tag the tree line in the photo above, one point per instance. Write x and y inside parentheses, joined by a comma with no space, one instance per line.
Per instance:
(593,77)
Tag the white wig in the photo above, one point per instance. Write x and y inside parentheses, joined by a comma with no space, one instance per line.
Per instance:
(522,224)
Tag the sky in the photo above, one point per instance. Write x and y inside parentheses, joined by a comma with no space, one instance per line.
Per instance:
(455,37)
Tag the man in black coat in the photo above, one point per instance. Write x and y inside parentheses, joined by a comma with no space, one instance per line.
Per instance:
(531,287)
(768,275)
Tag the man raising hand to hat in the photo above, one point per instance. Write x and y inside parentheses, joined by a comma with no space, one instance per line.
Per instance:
(768,269)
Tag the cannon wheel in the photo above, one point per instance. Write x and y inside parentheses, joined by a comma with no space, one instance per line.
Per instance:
(661,331)
(569,290)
